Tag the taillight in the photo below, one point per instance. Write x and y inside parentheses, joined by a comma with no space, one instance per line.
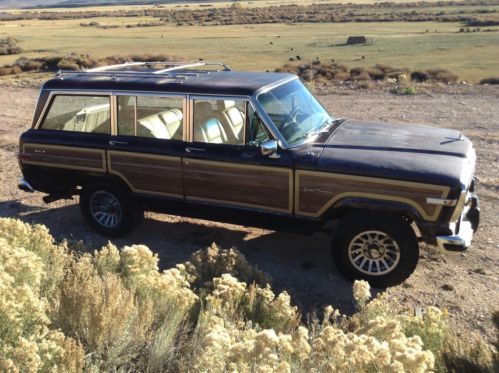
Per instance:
(21,156)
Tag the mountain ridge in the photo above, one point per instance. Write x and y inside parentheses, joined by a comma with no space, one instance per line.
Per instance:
(18,4)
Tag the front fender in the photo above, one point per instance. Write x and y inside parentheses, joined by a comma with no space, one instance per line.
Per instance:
(357,203)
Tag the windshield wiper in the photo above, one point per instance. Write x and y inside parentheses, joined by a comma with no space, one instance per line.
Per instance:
(327,124)
(322,128)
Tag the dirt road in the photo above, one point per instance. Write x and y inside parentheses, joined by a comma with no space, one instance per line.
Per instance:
(298,264)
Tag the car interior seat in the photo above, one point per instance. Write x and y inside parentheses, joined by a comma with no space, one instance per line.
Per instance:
(163,125)
(213,132)
(90,119)
(152,126)
(233,119)
(173,122)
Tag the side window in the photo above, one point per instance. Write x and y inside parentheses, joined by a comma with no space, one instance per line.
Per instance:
(149,116)
(256,132)
(220,121)
(79,114)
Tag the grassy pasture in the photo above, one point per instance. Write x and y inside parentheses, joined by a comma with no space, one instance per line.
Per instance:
(470,55)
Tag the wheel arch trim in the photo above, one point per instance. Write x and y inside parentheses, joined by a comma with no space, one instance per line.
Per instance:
(357,201)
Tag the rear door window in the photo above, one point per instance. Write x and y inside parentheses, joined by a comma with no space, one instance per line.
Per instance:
(150,116)
(78,113)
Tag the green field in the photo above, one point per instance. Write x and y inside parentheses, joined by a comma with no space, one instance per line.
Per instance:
(472,56)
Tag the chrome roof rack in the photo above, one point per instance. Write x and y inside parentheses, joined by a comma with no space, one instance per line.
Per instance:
(169,69)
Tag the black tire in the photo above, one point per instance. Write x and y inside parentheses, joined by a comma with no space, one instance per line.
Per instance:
(116,204)
(378,247)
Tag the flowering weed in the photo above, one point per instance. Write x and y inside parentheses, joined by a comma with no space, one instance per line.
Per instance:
(113,310)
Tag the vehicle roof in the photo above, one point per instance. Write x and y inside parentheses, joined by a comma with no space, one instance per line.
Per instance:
(212,82)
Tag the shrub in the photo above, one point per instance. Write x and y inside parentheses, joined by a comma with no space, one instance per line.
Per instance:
(30,270)
(74,62)
(411,90)
(420,76)
(489,81)
(205,265)
(320,72)
(113,310)
(9,46)
(441,75)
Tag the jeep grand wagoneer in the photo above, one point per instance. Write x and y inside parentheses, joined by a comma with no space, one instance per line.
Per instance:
(250,148)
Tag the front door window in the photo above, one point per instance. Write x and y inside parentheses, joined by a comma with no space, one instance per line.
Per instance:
(231,122)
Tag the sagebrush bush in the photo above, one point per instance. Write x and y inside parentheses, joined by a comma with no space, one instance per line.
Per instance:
(31,268)
(75,61)
(324,72)
(113,310)
(489,81)
(205,265)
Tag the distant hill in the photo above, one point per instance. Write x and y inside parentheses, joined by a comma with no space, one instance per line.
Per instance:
(71,3)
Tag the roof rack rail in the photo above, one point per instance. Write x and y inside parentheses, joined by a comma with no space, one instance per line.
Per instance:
(175,69)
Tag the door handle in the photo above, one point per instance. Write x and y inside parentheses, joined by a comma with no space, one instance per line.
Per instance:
(191,149)
(114,142)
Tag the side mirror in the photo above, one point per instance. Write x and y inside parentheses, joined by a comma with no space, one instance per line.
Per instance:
(269,148)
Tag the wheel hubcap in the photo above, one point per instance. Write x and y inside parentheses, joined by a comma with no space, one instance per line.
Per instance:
(105,209)
(374,253)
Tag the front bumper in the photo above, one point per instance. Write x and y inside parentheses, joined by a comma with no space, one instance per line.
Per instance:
(463,229)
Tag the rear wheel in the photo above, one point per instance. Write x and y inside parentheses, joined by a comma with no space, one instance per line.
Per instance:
(107,209)
(377,247)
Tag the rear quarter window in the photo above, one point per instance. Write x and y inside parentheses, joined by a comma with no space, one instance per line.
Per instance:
(79,113)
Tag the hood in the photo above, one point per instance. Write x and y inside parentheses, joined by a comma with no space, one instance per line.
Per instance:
(404,152)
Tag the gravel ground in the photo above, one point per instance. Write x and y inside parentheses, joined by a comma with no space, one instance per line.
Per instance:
(466,284)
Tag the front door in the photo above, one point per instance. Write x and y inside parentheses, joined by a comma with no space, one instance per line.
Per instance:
(222,162)
(146,150)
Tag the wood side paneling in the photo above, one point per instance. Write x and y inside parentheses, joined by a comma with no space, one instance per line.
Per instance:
(316,192)
(268,188)
(73,158)
(145,173)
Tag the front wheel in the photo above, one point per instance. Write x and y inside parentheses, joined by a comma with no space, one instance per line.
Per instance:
(377,247)
(107,209)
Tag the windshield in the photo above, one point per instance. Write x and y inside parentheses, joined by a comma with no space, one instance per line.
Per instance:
(295,112)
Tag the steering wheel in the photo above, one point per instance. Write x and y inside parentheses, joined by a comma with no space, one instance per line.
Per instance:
(294,114)
(293,118)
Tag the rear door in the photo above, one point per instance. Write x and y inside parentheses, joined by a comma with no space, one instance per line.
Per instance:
(146,150)
(222,160)
(70,139)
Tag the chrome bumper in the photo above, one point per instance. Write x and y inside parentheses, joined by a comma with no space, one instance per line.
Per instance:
(457,242)
(24,185)
(464,228)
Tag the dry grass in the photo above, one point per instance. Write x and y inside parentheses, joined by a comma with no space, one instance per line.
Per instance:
(114,311)
(471,56)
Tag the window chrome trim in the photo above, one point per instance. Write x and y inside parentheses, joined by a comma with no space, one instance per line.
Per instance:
(48,103)
(137,94)
(188,123)
(209,97)
(273,85)
(114,115)
(441,201)
(263,115)
(33,123)
(268,123)
(459,206)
